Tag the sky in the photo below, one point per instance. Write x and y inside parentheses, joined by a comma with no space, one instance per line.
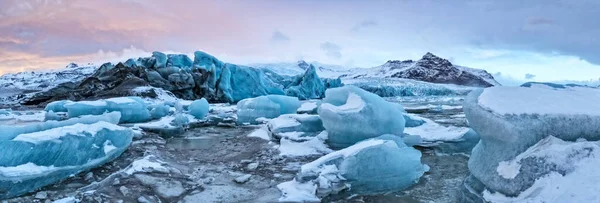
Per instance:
(515,40)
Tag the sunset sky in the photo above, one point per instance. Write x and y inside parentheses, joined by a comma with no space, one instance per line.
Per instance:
(543,40)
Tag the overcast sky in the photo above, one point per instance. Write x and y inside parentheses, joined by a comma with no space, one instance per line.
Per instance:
(543,40)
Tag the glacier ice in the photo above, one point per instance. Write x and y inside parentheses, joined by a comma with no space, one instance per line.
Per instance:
(179,60)
(389,87)
(371,166)
(573,178)
(412,120)
(52,116)
(307,86)
(509,120)
(269,106)
(295,127)
(133,109)
(199,108)
(8,132)
(80,108)
(161,59)
(351,114)
(159,110)
(33,160)
(241,82)
(309,107)
(57,106)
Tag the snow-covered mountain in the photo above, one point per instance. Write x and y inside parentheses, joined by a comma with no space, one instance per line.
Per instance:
(293,69)
(35,81)
(430,68)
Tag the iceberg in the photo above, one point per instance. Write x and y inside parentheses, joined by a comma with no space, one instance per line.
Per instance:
(241,82)
(307,86)
(372,166)
(80,108)
(133,109)
(351,114)
(573,178)
(8,132)
(57,106)
(32,160)
(295,126)
(159,110)
(199,108)
(269,106)
(161,60)
(309,107)
(510,120)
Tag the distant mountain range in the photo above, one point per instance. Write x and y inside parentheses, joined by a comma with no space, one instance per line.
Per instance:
(430,68)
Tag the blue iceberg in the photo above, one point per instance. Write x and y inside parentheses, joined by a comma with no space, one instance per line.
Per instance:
(57,106)
(307,86)
(159,110)
(510,120)
(351,115)
(296,127)
(372,166)
(8,132)
(33,160)
(199,108)
(269,106)
(133,109)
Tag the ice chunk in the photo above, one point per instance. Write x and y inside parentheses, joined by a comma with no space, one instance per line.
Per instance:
(307,86)
(180,120)
(199,108)
(309,107)
(33,160)
(372,166)
(159,110)
(51,116)
(269,106)
(567,172)
(57,106)
(509,120)
(304,125)
(413,120)
(161,59)
(306,147)
(240,82)
(10,132)
(351,114)
(133,109)
(80,108)
(430,131)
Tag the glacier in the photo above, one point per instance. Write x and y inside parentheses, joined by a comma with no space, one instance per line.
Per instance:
(371,166)
(269,106)
(351,114)
(199,108)
(33,160)
(510,120)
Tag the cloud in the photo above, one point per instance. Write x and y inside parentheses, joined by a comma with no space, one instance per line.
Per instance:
(332,50)
(529,76)
(279,37)
(364,24)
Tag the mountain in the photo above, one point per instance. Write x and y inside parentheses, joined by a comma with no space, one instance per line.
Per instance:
(13,86)
(430,68)
(297,68)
